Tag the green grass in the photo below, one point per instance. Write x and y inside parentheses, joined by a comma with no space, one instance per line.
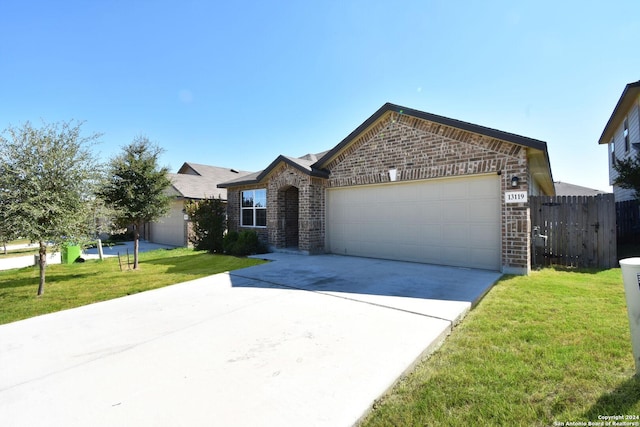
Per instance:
(550,347)
(74,285)
(19,242)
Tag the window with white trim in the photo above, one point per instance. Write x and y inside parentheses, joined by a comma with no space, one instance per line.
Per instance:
(625,133)
(612,147)
(253,208)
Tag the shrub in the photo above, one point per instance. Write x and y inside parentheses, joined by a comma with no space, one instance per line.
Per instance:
(125,236)
(209,223)
(229,240)
(244,243)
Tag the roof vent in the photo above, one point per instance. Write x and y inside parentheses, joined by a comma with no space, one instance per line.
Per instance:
(234,171)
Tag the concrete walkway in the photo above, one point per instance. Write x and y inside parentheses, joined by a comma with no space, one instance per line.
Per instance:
(303,340)
(54,257)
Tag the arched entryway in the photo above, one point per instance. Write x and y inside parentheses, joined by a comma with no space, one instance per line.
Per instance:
(288,204)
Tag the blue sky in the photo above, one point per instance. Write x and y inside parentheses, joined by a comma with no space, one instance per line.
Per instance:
(237,83)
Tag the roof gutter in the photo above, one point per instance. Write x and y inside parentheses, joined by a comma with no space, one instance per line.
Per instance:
(629,95)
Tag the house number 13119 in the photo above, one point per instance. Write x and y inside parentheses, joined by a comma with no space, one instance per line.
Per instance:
(515,197)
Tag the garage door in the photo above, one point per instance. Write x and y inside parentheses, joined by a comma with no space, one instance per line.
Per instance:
(169,230)
(453,221)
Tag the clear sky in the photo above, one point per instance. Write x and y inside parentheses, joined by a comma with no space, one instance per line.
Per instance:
(236,83)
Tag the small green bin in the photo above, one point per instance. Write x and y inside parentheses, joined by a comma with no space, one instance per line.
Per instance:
(70,253)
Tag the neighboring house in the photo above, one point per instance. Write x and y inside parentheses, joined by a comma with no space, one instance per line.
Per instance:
(622,133)
(565,189)
(405,185)
(192,182)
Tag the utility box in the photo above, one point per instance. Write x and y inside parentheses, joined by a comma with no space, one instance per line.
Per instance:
(631,277)
(70,253)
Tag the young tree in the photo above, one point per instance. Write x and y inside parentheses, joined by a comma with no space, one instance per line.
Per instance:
(48,174)
(135,187)
(209,223)
(628,173)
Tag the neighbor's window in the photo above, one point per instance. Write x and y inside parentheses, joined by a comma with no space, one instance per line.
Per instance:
(625,132)
(254,208)
(612,147)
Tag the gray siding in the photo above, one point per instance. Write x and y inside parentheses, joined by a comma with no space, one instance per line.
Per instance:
(633,117)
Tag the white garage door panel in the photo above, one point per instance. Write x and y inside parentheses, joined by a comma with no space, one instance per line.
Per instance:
(457,211)
(483,233)
(456,235)
(453,221)
(483,211)
(169,230)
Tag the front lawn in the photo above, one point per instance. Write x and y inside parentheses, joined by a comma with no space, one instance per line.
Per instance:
(553,347)
(74,285)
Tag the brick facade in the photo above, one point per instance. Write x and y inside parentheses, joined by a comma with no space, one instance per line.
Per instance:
(288,191)
(419,150)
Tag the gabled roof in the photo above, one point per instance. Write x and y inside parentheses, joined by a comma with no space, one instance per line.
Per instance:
(208,171)
(196,181)
(629,95)
(538,154)
(303,164)
(470,127)
(565,189)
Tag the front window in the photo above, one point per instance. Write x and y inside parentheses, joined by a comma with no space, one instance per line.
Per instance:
(254,208)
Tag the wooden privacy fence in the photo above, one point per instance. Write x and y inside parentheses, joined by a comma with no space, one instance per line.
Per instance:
(574,231)
(628,221)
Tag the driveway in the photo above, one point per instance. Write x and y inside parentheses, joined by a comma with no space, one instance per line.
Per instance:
(303,340)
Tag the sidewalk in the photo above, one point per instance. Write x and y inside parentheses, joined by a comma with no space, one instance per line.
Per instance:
(122,248)
(54,258)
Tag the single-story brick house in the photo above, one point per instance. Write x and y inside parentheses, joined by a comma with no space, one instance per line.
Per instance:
(192,182)
(405,185)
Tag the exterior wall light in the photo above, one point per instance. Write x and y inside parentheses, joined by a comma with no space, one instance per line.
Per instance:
(514,181)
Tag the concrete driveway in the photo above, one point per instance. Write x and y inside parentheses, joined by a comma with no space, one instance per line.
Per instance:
(303,340)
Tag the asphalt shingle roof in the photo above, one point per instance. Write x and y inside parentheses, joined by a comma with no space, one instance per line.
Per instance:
(304,164)
(314,164)
(564,189)
(196,181)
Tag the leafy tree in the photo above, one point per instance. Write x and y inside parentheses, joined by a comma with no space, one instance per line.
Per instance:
(8,228)
(135,187)
(7,231)
(628,173)
(100,219)
(209,223)
(48,174)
